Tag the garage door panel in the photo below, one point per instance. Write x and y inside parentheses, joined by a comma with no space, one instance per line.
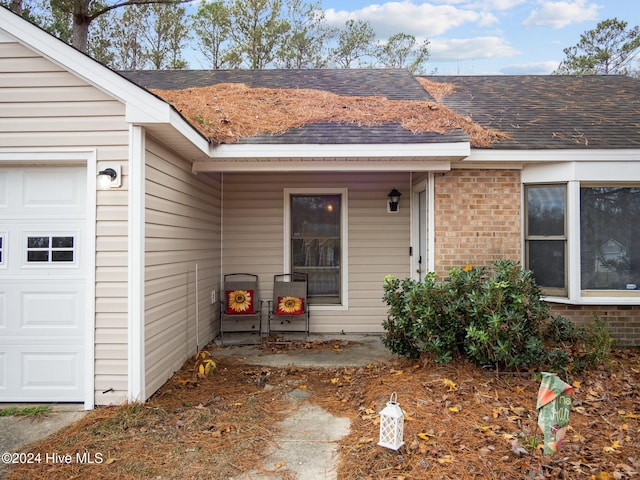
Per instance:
(51,310)
(39,371)
(52,189)
(40,311)
(3,372)
(3,312)
(4,190)
(50,370)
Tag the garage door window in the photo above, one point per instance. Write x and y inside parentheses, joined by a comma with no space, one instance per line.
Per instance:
(50,249)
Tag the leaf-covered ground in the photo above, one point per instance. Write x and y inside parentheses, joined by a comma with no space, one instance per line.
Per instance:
(462,423)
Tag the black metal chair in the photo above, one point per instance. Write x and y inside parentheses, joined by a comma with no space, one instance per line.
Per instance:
(288,311)
(241,307)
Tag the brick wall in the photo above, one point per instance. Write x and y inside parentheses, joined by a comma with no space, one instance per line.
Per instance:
(622,321)
(477,218)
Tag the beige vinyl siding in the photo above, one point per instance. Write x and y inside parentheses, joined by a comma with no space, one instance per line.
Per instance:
(43,107)
(378,242)
(182,230)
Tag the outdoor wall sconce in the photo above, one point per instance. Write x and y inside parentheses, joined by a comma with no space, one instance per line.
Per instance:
(394,201)
(392,424)
(109,178)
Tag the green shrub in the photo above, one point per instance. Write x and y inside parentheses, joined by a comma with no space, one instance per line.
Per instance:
(493,316)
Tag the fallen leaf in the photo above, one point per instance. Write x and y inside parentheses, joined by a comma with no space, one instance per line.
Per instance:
(449,383)
(614,446)
(576,384)
(425,435)
(602,476)
(517,448)
(280,464)
(454,409)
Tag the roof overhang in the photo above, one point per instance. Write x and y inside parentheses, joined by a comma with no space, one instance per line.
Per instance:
(553,155)
(333,157)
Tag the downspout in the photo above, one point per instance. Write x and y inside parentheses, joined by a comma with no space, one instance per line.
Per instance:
(221,227)
(136,290)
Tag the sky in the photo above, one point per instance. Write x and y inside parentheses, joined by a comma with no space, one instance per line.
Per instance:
(487,37)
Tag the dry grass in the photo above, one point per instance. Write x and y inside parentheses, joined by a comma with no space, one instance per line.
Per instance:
(227,112)
(223,425)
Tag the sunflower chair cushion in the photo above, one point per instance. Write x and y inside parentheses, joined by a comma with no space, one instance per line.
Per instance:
(239,302)
(290,306)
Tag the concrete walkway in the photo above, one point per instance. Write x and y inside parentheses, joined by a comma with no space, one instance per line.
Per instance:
(352,351)
(306,447)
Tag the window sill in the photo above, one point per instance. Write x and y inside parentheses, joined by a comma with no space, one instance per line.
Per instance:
(594,300)
(336,307)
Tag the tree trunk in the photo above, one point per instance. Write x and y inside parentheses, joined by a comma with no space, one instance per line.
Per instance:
(16,7)
(81,21)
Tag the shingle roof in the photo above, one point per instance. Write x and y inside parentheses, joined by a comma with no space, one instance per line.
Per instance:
(555,111)
(536,112)
(395,84)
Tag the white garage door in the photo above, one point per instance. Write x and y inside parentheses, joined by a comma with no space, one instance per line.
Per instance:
(42,283)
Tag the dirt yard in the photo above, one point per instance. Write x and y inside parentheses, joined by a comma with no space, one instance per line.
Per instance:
(461,423)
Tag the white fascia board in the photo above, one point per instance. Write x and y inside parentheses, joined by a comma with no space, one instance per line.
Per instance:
(554,155)
(317,165)
(334,157)
(457,150)
(142,107)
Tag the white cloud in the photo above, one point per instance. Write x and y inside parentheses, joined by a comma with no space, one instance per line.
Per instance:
(491,5)
(424,20)
(453,50)
(535,68)
(561,14)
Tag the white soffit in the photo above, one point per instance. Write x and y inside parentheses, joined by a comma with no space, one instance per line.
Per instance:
(369,157)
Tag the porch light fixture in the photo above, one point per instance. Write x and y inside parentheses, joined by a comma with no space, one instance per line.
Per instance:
(109,178)
(394,201)
(392,424)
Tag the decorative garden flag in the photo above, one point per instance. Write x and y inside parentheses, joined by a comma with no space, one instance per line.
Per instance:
(554,407)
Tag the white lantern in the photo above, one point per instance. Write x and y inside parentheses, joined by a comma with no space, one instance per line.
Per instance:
(392,424)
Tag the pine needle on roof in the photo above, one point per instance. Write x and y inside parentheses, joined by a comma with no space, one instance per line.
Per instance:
(227,112)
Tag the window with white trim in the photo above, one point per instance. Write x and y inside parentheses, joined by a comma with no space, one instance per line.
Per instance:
(546,236)
(51,249)
(316,242)
(585,234)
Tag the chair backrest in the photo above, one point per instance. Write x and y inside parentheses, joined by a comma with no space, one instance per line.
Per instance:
(290,285)
(241,281)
